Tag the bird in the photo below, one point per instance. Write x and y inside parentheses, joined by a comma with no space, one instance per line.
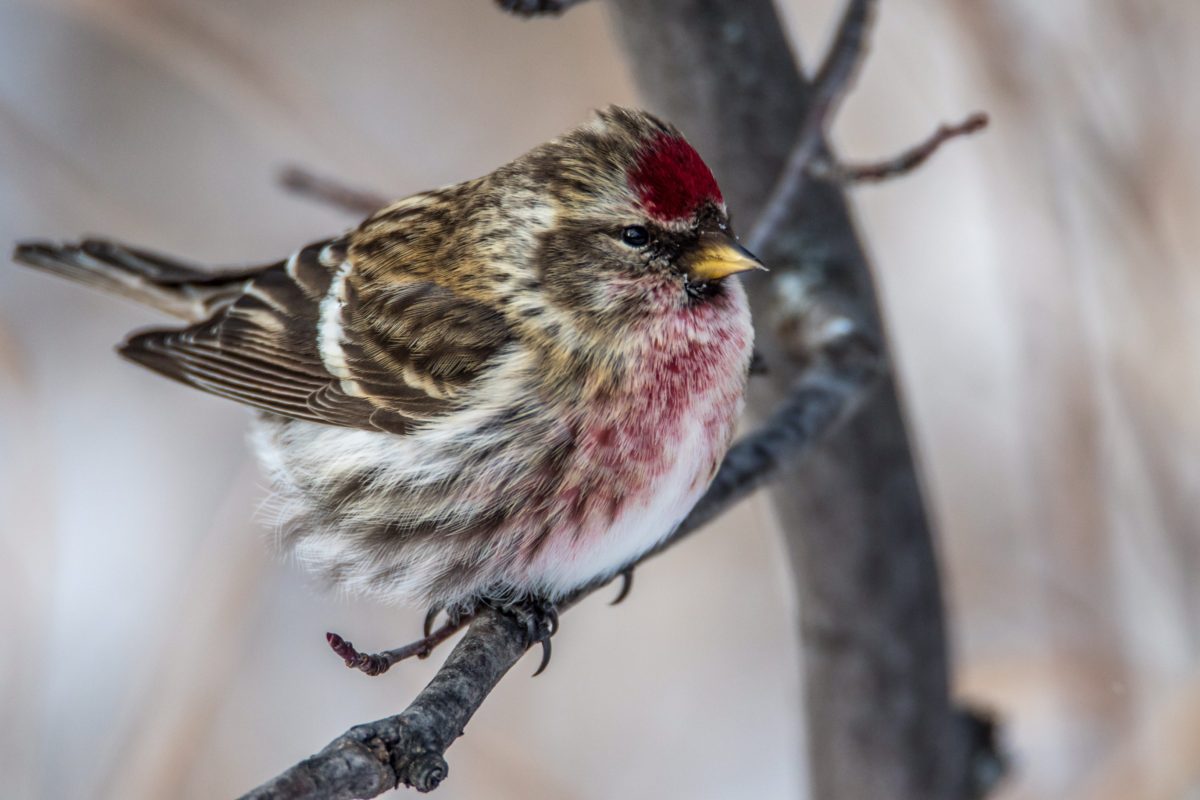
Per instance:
(493,393)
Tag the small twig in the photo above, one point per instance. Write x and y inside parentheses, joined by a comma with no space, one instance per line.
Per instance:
(304,183)
(902,164)
(379,663)
(832,82)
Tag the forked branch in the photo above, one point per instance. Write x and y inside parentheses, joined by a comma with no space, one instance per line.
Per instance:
(832,83)
(902,164)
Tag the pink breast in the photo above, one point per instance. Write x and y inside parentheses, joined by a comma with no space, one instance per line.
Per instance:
(628,443)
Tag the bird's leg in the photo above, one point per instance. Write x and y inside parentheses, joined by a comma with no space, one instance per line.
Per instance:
(379,663)
(539,617)
(430,618)
(626,576)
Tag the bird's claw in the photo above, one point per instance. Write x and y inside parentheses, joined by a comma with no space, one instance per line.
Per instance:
(626,576)
(546,625)
(430,618)
(540,619)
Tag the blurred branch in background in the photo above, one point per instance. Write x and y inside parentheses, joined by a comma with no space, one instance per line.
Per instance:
(304,183)
(902,164)
(529,8)
(872,631)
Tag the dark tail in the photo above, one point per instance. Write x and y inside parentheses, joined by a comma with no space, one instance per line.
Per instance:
(179,289)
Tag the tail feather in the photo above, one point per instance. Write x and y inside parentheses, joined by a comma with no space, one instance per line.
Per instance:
(179,289)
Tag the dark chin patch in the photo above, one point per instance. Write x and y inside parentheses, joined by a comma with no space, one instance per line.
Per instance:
(699,291)
(671,180)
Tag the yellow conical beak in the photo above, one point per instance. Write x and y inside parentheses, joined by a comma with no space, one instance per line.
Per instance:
(716,256)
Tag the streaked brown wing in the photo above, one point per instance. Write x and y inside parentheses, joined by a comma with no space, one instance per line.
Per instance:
(377,358)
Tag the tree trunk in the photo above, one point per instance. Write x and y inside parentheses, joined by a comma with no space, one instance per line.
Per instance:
(879,719)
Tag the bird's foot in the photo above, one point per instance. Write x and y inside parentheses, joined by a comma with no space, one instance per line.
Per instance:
(538,616)
(379,663)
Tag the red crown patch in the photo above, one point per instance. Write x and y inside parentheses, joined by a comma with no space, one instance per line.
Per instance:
(671,180)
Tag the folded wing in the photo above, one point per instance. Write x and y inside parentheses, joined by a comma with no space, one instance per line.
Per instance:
(309,340)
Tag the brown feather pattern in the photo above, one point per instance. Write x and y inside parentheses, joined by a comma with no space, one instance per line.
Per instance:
(480,390)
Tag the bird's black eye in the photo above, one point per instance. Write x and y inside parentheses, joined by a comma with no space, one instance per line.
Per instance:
(635,236)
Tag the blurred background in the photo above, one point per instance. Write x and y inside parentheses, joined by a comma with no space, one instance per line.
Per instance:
(1041,286)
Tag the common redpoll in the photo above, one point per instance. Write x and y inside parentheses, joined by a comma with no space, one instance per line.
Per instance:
(498,391)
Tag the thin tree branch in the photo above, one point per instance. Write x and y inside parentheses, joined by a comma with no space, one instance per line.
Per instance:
(902,164)
(833,81)
(409,748)
(331,192)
